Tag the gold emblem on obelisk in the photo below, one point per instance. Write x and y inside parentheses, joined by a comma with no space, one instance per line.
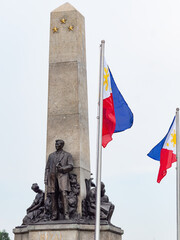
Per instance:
(63,20)
(71,28)
(55,29)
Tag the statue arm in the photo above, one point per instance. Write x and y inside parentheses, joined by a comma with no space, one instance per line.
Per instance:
(36,204)
(67,168)
(47,169)
(34,207)
(70,160)
(29,208)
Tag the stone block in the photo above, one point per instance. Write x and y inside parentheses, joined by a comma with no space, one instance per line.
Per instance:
(66,232)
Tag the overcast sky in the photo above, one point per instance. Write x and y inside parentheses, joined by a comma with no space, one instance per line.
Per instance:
(143,51)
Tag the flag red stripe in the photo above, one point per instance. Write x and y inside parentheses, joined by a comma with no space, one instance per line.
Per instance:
(109,120)
(166,159)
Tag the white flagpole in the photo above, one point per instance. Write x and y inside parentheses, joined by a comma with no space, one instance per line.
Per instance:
(178,172)
(99,144)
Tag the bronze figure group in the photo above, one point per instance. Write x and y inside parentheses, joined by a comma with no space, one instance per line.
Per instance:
(62,190)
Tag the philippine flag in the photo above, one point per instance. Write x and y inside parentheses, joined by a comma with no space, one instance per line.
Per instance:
(165,151)
(117,115)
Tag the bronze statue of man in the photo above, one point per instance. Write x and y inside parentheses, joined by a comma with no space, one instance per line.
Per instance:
(58,166)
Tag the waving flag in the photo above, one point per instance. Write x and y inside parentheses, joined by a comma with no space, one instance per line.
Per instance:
(165,151)
(117,115)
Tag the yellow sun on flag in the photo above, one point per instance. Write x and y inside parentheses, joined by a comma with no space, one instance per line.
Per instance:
(173,140)
(106,78)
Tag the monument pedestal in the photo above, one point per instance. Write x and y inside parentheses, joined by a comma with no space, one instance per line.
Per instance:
(57,231)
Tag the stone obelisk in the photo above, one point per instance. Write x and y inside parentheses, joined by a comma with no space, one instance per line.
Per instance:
(67,96)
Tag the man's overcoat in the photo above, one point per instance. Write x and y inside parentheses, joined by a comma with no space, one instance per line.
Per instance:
(57,180)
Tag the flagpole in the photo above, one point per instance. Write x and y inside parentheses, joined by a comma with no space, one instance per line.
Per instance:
(99,144)
(178,172)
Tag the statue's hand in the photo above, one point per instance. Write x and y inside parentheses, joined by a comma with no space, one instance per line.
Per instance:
(60,169)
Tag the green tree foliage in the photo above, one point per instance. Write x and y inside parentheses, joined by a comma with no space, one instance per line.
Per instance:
(4,235)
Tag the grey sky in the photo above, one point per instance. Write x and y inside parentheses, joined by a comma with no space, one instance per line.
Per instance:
(143,52)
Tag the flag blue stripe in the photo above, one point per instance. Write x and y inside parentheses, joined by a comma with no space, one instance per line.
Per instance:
(123,114)
(155,153)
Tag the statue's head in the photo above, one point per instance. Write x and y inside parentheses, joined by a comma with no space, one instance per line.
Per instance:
(35,187)
(59,144)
